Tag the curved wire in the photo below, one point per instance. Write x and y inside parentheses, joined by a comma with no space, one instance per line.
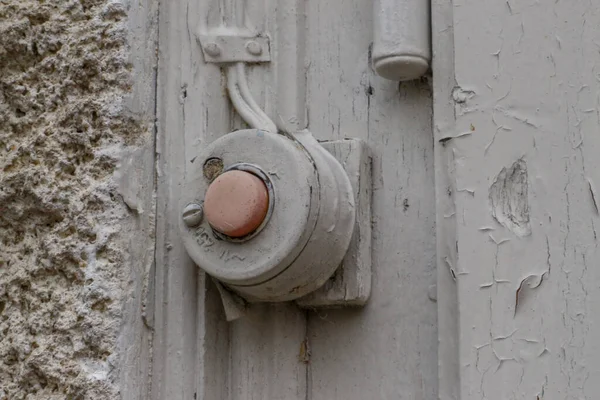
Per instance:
(243,102)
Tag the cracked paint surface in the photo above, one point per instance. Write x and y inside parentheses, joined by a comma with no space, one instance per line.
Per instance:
(529,291)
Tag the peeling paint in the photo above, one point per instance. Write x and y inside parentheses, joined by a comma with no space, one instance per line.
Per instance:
(594,195)
(509,198)
(529,282)
(460,95)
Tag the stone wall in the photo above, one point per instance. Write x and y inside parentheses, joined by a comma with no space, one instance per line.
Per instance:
(71,274)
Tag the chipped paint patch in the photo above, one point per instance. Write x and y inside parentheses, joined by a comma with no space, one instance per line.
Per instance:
(509,198)
(530,282)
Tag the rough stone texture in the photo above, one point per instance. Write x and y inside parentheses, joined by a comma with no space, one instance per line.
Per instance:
(64,73)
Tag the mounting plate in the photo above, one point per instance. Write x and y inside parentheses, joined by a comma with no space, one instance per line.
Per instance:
(235,47)
(351,283)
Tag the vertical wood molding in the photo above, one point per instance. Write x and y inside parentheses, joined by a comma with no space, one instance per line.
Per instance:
(386,349)
(265,343)
(175,341)
(265,348)
(290,65)
(445,187)
(197,354)
(137,184)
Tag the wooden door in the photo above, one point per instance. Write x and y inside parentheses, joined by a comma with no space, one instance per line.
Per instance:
(484,207)
(320,78)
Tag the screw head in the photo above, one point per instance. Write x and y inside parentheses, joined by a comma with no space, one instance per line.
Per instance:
(254,48)
(212,49)
(192,214)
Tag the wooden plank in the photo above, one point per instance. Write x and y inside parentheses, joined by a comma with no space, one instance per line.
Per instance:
(443,111)
(137,187)
(198,354)
(213,344)
(265,343)
(265,353)
(386,349)
(527,95)
(184,303)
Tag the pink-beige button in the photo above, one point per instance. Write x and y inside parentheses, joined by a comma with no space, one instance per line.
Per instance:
(236,203)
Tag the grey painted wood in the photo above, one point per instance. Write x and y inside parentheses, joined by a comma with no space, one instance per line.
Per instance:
(265,344)
(446,249)
(387,349)
(177,283)
(384,349)
(199,355)
(525,174)
(265,353)
(137,188)
(514,208)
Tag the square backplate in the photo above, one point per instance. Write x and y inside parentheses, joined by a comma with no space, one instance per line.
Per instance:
(351,283)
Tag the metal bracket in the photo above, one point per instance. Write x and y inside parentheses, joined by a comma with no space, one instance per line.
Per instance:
(235,47)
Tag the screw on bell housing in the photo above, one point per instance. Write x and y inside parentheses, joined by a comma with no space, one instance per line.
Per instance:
(192,214)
